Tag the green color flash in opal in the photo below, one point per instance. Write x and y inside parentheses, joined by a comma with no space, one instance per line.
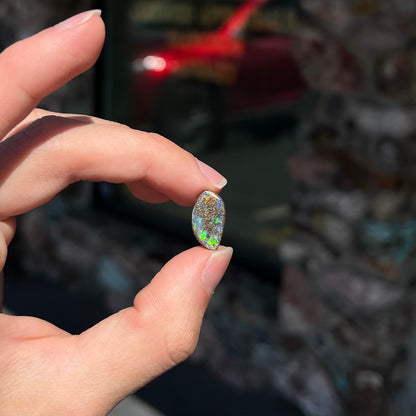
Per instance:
(212,242)
(208,217)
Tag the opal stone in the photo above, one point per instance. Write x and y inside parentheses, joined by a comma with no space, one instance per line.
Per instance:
(208,217)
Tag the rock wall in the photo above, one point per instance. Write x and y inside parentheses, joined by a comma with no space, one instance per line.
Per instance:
(348,289)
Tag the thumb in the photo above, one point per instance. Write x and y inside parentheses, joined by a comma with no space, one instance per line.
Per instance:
(128,349)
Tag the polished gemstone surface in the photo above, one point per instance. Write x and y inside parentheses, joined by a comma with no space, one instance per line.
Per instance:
(208,217)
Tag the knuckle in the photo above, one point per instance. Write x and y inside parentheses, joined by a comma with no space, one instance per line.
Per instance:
(159,140)
(156,137)
(181,344)
(178,330)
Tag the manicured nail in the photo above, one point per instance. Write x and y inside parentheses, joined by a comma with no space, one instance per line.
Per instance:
(213,176)
(216,267)
(78,19)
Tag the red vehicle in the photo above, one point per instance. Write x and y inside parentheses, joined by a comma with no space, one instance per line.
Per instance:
(187,89)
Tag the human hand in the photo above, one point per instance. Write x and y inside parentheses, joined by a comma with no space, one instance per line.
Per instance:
(43,369)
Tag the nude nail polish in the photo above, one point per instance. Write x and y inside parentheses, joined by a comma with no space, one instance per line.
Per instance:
(78,19)
(212,175)
(216,267)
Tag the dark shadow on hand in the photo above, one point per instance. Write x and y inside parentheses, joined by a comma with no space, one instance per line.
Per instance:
(15,149)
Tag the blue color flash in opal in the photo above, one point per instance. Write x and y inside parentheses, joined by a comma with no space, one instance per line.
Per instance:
(208,217)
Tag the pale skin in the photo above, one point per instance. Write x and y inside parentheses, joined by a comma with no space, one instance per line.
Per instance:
(43,369)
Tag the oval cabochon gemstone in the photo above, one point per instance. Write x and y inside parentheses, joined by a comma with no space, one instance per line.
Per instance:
(208,217)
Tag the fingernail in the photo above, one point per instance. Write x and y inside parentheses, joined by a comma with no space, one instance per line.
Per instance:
(213,176)
(216,267)
(78,19)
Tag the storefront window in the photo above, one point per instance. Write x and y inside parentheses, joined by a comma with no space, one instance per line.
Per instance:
(220,79)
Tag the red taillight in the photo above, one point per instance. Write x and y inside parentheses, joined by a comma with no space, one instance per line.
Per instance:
(154,63)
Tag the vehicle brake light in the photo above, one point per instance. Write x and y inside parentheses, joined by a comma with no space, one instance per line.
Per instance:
(154,63)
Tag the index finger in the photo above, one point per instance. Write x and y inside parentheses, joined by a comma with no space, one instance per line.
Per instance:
(49,154)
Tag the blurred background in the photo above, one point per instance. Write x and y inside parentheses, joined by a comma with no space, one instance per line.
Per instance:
(307,107)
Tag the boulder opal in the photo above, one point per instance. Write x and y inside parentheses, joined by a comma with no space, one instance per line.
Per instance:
(208,217)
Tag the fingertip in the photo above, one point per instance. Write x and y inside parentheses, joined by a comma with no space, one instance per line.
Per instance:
(212,175)
(87,26)
(215,268)
(193,274)
(78,19)
(198,271)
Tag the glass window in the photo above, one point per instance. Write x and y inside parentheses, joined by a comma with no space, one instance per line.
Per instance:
(219,78)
